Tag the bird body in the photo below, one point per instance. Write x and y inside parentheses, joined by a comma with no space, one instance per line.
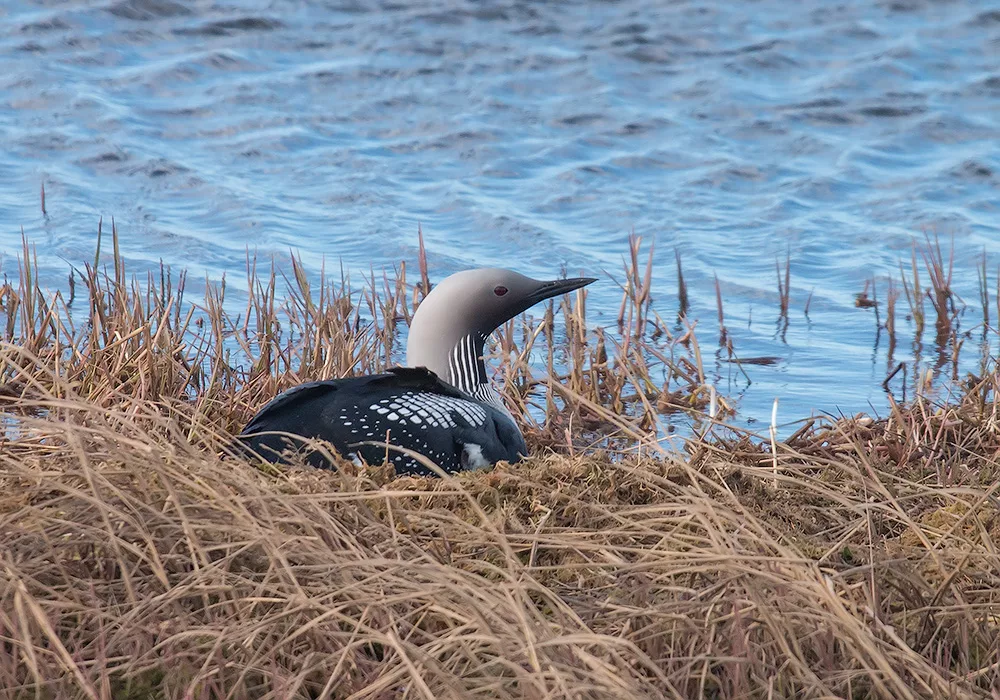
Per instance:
(442,406)
(409,407)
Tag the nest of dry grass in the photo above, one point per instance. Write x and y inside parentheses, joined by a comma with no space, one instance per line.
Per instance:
(859,558)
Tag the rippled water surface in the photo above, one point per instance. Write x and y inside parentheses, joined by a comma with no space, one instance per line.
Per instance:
(529,135)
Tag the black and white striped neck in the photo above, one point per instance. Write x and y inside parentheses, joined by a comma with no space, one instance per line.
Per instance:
(467,371)
(466,368)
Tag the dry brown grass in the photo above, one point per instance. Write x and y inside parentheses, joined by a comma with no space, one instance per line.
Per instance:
(137,341)
(140,560)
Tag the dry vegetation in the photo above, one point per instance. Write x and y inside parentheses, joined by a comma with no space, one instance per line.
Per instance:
(139,560)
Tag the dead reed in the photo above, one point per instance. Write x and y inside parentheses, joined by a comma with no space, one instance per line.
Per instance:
(723,333)
(892,296)
(858,558)
(138,563)
(144,340)
(984,291)
(784,285)
(914,294)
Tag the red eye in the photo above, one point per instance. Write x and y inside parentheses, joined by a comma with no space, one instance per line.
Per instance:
(499,290)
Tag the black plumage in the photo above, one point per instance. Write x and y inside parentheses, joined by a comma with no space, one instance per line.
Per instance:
(410,406)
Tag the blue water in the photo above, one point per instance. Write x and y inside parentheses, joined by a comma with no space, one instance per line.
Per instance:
(529,135)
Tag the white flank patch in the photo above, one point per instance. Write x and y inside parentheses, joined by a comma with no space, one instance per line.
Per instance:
(472,456)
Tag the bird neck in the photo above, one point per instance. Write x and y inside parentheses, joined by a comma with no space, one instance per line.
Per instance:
(466,368)
(459,362)
(467,371)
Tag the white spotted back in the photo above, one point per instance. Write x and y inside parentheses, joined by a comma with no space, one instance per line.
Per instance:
(433,410)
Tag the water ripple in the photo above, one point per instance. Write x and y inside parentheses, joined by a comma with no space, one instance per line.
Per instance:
(537,135)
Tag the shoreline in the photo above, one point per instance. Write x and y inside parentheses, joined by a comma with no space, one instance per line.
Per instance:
(858,557)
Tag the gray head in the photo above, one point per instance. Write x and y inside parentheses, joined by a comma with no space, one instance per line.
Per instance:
(451,325)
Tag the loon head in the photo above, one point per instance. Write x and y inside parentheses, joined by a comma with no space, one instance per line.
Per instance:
(452,323)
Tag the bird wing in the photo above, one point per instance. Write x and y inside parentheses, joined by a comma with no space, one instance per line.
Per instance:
(480,433)
(421,379)
(289,397)
(412,378)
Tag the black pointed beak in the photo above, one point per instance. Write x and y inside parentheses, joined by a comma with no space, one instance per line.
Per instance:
(554,288)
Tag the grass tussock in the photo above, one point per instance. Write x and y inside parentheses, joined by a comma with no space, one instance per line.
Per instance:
(138,561)
(858,558)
